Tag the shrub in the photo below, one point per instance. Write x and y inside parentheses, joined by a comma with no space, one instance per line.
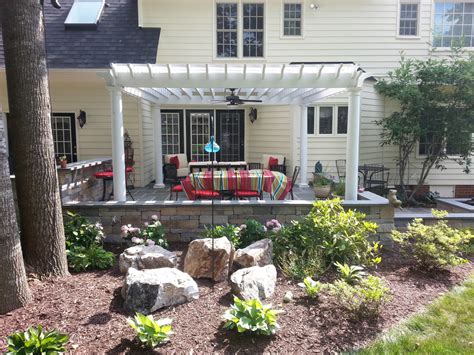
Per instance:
(37,341)
(297,267)
(435,246)
(312,288)
(80,232)
(92,258)
(350,274)
(229,231)
(332,233)
(251,316)
(149,331)
(364,299)
(250,232)
(152,233)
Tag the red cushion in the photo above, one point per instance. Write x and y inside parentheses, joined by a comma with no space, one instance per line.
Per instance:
(247,193)
(206,193)
(175,161)
(177,188)
(104,175)
(272,162)
(129,169)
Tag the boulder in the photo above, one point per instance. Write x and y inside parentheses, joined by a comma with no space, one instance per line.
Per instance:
(146,291)
(146,257)
(256,254)
(254,282)
(199,258)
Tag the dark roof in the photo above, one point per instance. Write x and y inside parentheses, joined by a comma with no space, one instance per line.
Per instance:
(117,39)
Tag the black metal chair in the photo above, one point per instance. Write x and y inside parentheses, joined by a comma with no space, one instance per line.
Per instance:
(377,178)
(296,172)
(254,166)
(341,169)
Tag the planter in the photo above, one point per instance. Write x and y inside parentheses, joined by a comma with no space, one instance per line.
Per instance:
(63,164)
(322,191)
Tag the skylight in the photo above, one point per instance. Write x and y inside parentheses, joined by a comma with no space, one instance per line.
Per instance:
(85,13)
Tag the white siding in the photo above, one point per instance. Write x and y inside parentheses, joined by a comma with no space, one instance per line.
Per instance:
(148,143)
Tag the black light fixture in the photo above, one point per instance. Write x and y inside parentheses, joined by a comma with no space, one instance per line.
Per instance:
(253,114)
(82,118)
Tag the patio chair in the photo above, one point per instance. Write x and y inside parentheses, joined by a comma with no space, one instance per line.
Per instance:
(244,194)
(377,179)
(182,170)
(281,166)
(294,178)
(341,169)
(254,166)
(193,194)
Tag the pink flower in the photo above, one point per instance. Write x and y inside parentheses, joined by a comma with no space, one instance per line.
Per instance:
(154,217)
(136,240)
(150,242)
(145,224)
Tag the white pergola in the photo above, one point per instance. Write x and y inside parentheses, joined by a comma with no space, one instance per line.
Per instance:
(203,84)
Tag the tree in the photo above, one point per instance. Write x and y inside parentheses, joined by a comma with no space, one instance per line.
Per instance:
(436,98)
(14,292)
(42,231)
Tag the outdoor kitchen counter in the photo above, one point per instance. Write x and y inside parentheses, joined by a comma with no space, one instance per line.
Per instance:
(77,181)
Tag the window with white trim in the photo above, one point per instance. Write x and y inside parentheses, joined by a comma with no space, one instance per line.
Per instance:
(292,19)
(453,24)
(328,120)
(170,133)
(226,23)
(408,24)
(253,30)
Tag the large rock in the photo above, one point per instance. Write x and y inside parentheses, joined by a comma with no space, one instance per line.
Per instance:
(256,254)
(146,291)
(199,258)
(254,282)
(146,257)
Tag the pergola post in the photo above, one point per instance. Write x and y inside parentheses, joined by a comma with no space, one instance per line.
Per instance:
(303,146)
(156,114)
(352,149)
(118,151)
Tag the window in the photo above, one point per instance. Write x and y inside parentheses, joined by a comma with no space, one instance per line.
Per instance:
(342,115)
(432,141)
(325,119)
(64,135)
(85,13)
(253,30)
(408,25)
(453,24)
(226,30)
(331,119)
(292,20)
(310,129)
(171,132)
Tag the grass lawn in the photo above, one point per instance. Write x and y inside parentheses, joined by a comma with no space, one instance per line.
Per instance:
(446,327)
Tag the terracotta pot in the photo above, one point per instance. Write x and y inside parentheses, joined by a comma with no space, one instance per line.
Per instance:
(322,191)
(63,164)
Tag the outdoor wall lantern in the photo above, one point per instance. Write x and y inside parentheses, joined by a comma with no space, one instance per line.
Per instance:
(253,115)
(313,6)
(82,118)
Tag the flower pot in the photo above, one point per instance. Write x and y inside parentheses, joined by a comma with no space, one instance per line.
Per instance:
(322,191)
(63,164)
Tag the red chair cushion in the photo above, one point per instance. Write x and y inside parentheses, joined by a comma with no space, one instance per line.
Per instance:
(247,193)
(129,169)
(272,162)
(104,175)
(206,194)
(175,161)
(177,188)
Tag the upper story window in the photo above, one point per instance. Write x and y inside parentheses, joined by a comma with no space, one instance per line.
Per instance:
(85,13)
(453,24)
(242,37)
(292,19)
(408,25)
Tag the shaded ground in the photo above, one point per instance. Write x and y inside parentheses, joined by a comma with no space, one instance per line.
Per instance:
(88,307)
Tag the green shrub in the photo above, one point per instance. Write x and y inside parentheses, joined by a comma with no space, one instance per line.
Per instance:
(331,232)
(434,246)
(80,232)
(36,341)
(149,331)
(152,233)
(91,258)
(250,232)
(229,231)
(312,288)
(298,266)
(350,274)
(364,299)
(251,316)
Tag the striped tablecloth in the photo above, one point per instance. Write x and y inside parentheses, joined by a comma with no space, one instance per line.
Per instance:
(273,182)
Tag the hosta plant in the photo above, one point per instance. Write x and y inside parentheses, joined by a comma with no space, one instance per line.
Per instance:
(434,246)
(37,341)
(151,332)
(350,273)
(312,288)
(252,317)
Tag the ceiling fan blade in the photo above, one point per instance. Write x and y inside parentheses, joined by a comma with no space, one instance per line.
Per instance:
(244,100)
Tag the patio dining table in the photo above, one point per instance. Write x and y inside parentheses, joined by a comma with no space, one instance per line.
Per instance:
(275,183)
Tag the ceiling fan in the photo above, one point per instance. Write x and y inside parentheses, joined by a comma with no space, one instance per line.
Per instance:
(235,100)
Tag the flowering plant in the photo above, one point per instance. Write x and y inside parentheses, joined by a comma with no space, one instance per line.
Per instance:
(152,233)
(273,225)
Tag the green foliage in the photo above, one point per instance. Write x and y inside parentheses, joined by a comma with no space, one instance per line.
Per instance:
(250,232)
(329,232)
(312,288)
(339,188)
(80,232)
(37,341)
(149,331)
(434,246)
(322,181)
(438,91)
(152,233)
(364,299)
(298,266)
(91,258)
(350,274)
(229,231)
(251,316)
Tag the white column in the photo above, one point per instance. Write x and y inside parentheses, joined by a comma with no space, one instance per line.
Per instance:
(156,114)
(304,146)
(118,152)
(352,149)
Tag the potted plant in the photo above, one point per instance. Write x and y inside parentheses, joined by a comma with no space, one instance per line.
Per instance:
(63,161)
(339,189)
(322,186)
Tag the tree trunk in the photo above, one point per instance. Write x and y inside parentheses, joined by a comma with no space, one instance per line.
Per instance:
(42,231)
(14,292)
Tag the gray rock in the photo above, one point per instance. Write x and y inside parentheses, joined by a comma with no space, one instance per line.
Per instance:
(256,254)
(146,257)
(254,282)
(288,297)
(146,291)
(199,259)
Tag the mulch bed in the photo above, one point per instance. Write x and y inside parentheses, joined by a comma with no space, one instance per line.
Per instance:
(88,307)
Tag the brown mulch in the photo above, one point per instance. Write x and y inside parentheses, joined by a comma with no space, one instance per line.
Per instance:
(88,307)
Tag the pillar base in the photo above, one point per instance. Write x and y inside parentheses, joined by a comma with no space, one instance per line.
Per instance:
(159,186)
(303,184)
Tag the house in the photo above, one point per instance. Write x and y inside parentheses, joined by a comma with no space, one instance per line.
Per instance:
(298,56)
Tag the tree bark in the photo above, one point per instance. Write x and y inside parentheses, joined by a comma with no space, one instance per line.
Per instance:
(14,292)
(42,231)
